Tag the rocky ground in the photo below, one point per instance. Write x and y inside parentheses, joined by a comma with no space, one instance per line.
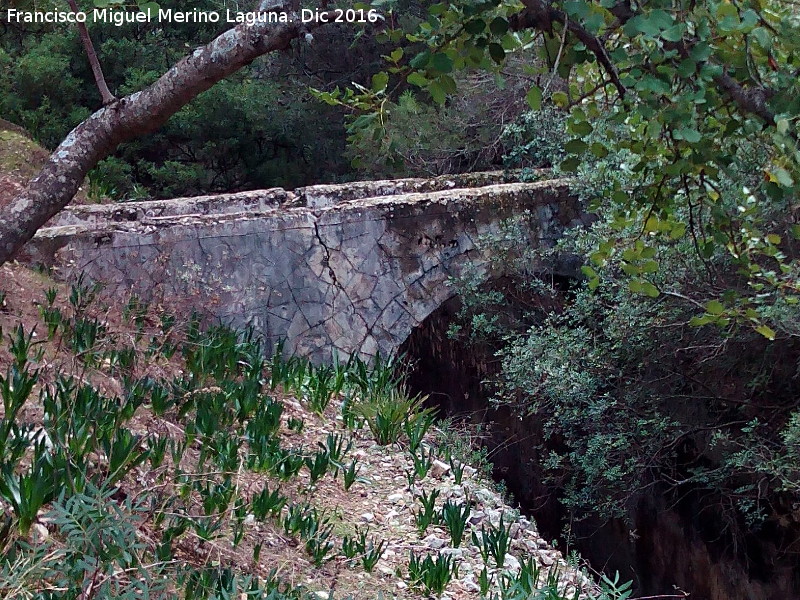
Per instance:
(384,503)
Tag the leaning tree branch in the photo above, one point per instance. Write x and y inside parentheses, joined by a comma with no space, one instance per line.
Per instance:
(133,116)
(752,100)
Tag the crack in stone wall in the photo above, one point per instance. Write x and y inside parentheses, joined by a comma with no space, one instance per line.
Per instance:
(350,276)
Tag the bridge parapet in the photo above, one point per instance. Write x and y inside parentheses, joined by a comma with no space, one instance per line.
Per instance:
(352,276)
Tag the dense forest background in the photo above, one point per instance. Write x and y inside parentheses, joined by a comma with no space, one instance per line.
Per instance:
(261,127)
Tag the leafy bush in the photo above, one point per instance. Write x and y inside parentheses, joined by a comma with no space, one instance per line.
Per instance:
(98,543)
(643,373)
(431,575)
(385,412)
(536,139)
(493,541)
(428,514)
(250,131)
(455,517)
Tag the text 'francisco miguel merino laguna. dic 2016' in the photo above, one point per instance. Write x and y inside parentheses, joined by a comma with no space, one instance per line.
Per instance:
(121,17)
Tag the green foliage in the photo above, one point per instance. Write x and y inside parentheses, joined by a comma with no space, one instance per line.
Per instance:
(416,426)
(493,541)
(250,131)
(663,96)
(350,474)
(386,411)
(371,553)
(536,139)
(75,471)
(423,460)
(455,517)
(363,547)
(267,503)
(633,394)
(457,469)
(429,575)
(101,544)
(323,384)
(428,514)
(337,450)
(318,464)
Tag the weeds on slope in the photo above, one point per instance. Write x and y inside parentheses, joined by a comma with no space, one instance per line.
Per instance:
(97,502)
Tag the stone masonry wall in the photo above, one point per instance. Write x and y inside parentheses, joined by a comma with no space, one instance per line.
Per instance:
(345,276)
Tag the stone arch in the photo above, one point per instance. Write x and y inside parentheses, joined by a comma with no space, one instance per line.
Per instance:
(350,275)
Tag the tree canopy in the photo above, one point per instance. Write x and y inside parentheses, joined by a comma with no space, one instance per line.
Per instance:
(677,91)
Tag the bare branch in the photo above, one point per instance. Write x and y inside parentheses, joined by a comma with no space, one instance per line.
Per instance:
(94,62)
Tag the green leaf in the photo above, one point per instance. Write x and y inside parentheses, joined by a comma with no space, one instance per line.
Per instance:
(576,146)
(783,177)
(650,290)
(420,60)
(651,24)
(689,134)
(380,81)
(588,271)
(635,286)
(418,79)
(599,150)
(762,37)
(576,8)
(630,269)
(650,266)
(699,321)
(496,52)
(437,92)
(534,98)
(674,33)
(560,99)
(498,26)
(677,231)
(396,54)
(715,307)
(441,62)
(766,331)
(475,26)
(580,128)
(448,84)
(570,165)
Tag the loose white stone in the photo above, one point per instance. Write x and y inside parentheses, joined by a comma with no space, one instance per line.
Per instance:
(433,542)
(511,563)
(439,468)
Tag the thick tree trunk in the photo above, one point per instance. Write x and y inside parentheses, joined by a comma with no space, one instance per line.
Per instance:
(135,115)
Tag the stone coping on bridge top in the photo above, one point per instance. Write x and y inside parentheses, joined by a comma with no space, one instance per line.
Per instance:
(148,223)
(260,201)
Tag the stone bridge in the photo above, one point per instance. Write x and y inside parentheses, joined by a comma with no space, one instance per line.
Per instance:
(348,268)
